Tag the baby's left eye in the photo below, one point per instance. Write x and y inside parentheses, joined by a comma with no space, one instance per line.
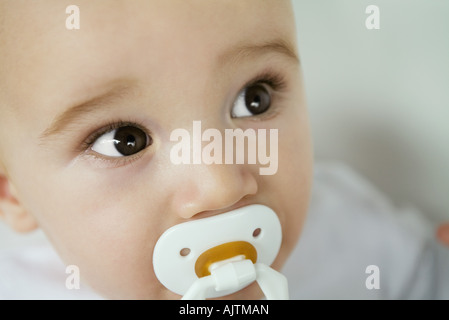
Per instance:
(122,142)
(253,100)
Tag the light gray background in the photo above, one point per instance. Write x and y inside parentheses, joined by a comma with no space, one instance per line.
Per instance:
(378,99)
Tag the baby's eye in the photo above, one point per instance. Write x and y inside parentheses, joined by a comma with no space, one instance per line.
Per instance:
(253,100)
(122,142)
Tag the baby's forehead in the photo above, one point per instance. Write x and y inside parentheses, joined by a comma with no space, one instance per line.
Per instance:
(119,37)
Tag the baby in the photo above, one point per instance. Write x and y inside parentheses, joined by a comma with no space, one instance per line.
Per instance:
(86,117)
(87,114)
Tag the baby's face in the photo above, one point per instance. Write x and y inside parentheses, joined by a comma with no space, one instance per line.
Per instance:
(134,72)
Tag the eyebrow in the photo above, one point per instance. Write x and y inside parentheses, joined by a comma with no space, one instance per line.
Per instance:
(278,46)
(117,93)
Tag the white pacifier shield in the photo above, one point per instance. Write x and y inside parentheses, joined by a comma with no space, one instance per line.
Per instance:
(176,270)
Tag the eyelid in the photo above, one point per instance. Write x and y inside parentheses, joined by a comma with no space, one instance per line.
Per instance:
(271,78)
(102,161)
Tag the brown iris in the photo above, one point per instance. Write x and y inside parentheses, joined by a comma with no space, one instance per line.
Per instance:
(130,140)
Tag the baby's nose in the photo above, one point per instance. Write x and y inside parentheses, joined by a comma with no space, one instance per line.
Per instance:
(205,188)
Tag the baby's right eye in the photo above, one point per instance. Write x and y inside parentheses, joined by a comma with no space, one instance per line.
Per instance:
(122,142)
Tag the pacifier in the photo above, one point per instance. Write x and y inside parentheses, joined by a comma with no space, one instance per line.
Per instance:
(222,254)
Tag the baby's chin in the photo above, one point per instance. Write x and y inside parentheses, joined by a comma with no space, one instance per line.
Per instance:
(251,292)
(159,292)
(152,292)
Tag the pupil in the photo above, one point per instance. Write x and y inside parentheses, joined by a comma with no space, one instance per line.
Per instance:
(131,140)
(256,102)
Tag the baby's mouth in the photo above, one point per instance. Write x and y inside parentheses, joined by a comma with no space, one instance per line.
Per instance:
(222,254)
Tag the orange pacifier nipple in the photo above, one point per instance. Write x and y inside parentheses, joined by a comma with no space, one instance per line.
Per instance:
(222,254)
(212,258)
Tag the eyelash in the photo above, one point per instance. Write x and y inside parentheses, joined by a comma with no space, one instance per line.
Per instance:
(273,79)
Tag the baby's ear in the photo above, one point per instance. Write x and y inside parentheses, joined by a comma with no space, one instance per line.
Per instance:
(11,210)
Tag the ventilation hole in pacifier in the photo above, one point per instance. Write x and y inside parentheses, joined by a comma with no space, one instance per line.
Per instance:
(257,232)
(184,252)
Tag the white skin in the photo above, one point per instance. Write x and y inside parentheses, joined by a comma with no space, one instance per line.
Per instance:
(171,62)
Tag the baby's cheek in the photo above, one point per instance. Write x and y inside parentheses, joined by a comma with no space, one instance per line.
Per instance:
(293,180)
(105,232)
(114,254)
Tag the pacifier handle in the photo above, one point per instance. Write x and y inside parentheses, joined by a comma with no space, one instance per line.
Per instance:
(237,274)
(273,283)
